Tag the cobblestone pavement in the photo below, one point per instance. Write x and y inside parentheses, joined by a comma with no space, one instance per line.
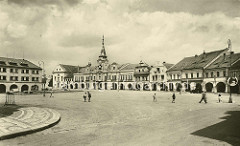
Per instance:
(27,120)
(131,118)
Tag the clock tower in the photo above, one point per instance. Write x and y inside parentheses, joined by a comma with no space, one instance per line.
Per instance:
(102,59)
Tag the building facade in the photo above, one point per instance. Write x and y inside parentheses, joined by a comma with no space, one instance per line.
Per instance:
(208,72)
(63,76)
(19,75)
(109,76)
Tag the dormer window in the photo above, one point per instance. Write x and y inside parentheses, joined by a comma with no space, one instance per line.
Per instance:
(23,64)
(114,68)
(13,63)
(2,63)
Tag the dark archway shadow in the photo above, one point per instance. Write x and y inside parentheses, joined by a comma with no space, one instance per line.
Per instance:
(227,130)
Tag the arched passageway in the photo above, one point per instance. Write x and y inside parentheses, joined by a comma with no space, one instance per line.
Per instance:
(209,87)
(198,88)
(171,86)
(13,87)
(34,88)
(221,87)
(154,87)
(130,87)
(82,86)
(122,87)
(24,88)
(76,86)
(71,86)
(2,88)
(178,87)
(106,86)
(187,87)
(138,87)
(114,86)
(146,87)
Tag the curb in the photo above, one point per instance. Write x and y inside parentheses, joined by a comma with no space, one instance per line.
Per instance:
(46,125)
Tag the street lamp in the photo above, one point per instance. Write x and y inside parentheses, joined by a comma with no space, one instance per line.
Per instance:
(42,62)
(230,49)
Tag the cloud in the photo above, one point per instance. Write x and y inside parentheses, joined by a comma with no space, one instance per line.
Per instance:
(71,32)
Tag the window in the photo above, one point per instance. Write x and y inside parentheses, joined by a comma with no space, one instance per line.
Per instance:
(162,77)
(61,78)
(158,69)
(186,76)
(55,78)
(4,70)
(218,74)
(3,78)
(174,76)
(197,75)
(13,78)
(224,73)
(211,74)
(191,75)
(207,75)
(37,72)
(25,78)
(11,70)
(23,71)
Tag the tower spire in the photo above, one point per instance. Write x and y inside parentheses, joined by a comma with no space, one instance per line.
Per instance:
(103,55)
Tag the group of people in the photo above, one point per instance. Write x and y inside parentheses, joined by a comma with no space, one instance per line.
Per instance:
(204,97)
(86,95)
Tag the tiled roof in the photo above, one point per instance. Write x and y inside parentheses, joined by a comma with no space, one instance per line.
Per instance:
(182,64)
(19,63)
(236,65)
(130,67)
(224,61)
(197,61)
(168,65)
(70,68)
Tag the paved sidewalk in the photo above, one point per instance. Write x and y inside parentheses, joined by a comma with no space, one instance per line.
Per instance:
(27,120)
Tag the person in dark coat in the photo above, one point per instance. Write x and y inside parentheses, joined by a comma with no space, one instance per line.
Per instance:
(204,98)
(173,97)
(89,96)
(219,98)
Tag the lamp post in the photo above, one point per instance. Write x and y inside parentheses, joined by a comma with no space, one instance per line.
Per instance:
(230,49)
(42,62)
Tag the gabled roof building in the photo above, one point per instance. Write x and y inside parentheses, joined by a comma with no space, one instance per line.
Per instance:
(19,75)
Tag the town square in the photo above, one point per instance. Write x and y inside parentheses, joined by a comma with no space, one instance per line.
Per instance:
(122,72)
(132,118)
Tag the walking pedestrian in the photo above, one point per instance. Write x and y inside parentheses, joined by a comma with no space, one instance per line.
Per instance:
(89,96)
(154,97)
(173,97)
(85,96)
(219,97)
(204,98)
(51,93)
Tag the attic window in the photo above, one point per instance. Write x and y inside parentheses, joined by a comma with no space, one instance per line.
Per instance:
(13,63)
(23,64)
(2,62)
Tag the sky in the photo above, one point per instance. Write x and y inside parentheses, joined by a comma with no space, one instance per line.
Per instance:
(70,31)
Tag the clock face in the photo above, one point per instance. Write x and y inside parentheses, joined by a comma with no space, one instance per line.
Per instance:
(232,81)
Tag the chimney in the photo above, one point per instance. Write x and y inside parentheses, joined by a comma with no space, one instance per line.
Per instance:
(204,54)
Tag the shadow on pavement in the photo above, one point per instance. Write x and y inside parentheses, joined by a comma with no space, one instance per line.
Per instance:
(8,110)
(227,130)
